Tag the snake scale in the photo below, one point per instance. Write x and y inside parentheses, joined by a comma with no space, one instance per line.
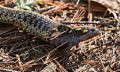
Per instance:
(41,26)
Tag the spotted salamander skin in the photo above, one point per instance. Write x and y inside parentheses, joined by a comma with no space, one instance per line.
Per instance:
(31,22)
(74,36)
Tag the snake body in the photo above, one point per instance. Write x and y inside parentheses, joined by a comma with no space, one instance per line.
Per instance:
(41,26)
(31,22)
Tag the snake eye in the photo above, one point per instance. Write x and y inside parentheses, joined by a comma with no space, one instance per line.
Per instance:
(93,30)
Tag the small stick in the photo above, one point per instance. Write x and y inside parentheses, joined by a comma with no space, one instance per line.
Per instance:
(82,22)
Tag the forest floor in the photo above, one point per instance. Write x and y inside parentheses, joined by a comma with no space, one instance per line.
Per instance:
(21,51)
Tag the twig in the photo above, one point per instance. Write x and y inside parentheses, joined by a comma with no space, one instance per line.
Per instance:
(88,22)
(45,9)
(81,22)
(7,70)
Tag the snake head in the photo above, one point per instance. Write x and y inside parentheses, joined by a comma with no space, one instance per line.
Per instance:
(84,33)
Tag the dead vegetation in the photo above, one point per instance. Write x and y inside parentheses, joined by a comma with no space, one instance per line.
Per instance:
(20,51)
